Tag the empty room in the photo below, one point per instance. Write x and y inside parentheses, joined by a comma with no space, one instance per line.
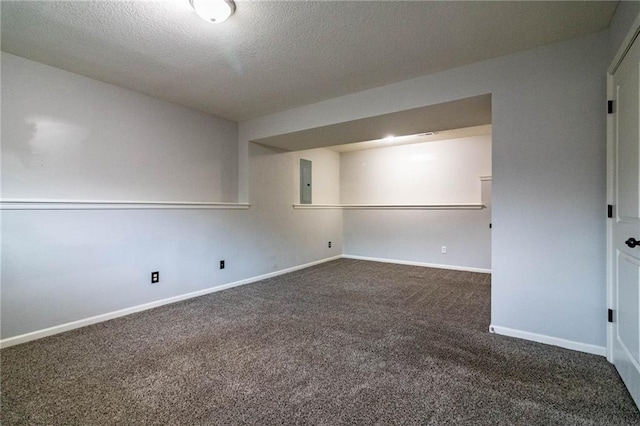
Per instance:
(320,212)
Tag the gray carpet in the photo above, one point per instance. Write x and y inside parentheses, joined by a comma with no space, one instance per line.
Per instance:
(346,342)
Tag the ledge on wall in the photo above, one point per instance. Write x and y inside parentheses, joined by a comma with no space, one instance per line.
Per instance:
(470,206)
(115,205)
(414,206)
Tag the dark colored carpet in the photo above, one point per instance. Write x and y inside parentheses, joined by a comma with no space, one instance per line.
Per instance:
(346,342)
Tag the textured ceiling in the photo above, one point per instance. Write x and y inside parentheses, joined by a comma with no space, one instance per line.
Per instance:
(275,55)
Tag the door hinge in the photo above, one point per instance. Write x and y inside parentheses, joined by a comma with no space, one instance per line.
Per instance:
(610,107)
(609,210)
(610,315)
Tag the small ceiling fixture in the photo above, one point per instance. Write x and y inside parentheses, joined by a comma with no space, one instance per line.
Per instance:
(215,11)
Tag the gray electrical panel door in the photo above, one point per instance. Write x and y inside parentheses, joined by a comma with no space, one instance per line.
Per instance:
(305,182)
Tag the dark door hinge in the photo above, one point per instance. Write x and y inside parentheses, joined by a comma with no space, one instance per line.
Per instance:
(609,107)
(609,211)
(610,315)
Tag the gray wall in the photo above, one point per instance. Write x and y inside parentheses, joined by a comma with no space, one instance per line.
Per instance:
(439,172)
(68,137)
(548,251)
(65,265)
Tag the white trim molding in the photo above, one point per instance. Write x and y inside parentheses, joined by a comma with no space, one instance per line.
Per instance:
(15,204)
(423,264)
(625,46)
(486,178)
(317,206)
(39,334)
(454,206)
(549,340)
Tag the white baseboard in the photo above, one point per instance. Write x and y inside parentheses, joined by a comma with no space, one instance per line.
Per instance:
(411,263)
(549,340)
(39,334)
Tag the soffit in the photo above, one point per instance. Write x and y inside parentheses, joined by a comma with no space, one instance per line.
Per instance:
(458,114)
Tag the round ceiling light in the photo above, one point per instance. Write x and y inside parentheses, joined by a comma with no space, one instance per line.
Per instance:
(215,11)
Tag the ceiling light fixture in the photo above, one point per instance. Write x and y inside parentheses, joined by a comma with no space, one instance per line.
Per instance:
(215,11)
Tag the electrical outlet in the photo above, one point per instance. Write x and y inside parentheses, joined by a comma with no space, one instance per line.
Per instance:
(155,277)
(329,244)
(222,264)
(443,250)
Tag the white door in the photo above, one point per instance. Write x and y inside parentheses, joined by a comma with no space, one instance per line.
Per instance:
(626,226)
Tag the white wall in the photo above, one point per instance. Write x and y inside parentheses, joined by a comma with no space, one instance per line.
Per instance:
(67,265)
(433,172)
(440,172)
(548,250)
